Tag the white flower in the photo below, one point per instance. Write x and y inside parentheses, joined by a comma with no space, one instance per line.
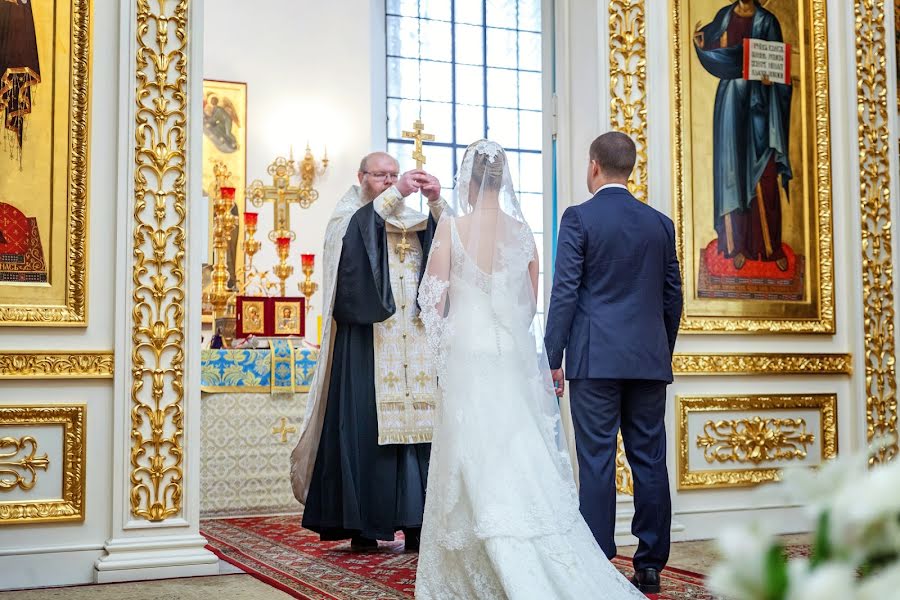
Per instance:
(741,574)
(830,581)
(864,516)
(884,584)
(819,488)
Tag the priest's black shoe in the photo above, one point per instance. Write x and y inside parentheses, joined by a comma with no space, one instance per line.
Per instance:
(411,537)
(646,580)
(363,544)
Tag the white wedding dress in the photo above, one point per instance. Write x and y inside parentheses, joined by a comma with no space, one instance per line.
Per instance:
(501,512)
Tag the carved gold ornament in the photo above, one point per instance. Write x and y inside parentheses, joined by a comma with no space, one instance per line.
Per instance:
(875,210)
(755,440)
(624,479)
(628,82)
(21,472)
(751,440)
(762,364)
(158,272)
(63,365)
(19,463)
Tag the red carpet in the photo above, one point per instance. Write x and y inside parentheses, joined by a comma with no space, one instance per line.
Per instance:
(278,551)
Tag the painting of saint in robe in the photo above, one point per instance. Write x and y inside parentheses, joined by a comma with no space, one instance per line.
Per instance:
(751,164)
(21,253)
(219,120)
(20,71)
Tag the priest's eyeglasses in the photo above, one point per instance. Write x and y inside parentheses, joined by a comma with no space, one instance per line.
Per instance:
(381,175)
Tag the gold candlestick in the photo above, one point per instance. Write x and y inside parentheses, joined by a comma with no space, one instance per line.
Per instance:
(224,223)
(308,287)
(282,269)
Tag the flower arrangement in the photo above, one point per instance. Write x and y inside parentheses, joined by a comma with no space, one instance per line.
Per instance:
(855,552)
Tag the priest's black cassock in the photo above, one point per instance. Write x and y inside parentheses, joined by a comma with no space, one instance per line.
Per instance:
(358,487)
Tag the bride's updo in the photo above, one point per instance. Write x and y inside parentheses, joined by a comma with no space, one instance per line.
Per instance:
(488,165)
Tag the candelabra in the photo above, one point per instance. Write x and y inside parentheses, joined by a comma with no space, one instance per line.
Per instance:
(308,287)
(282,269)
(224,223)
(251,247)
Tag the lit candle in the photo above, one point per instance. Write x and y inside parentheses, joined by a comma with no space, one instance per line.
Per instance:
(283,243)
(250,219)
(227,193)
(308,260)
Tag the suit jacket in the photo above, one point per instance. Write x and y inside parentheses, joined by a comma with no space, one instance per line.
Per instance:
(616,301)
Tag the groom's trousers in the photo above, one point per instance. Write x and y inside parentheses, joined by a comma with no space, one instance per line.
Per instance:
(599,408)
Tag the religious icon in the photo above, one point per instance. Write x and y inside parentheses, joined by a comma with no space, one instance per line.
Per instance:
(253,317)
(287,318)
(225,141)
(44,93)
(752,202)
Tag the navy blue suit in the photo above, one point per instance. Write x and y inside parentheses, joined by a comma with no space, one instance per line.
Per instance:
(614,313)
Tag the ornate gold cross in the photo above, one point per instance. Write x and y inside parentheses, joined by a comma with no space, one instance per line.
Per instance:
(402,247)
(284,430)
(418,134)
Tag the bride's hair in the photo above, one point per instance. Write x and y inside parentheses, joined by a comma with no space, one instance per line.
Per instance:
(487,170)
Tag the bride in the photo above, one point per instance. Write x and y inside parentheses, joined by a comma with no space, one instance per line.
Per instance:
(501,510)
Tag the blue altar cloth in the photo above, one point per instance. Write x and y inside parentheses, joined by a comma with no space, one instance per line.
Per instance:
(280,369)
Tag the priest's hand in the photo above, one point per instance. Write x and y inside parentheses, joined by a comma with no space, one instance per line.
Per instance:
(431,187)
(411,182)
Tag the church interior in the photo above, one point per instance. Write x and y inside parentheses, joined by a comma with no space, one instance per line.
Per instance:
(168,173)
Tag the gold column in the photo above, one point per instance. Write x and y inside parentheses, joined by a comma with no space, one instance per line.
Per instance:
(159,269)
(628,82)
(875,212)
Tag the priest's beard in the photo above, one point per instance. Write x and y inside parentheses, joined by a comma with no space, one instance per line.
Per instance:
(368,192)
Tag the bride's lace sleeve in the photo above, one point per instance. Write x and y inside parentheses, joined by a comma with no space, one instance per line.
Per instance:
(434,289)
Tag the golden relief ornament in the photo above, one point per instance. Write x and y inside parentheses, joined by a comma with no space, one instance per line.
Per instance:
(63,365)
(734,284)
(753,442)
(628,82)
(45,119)
(158,273)
(20,463)
(762,364)
(875,211)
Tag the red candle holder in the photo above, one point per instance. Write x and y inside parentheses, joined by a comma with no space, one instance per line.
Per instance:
(283,243)
(227,193)
(308,260)
(250,219)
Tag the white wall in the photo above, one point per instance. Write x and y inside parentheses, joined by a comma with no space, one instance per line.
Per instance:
(314,72)
(64,553)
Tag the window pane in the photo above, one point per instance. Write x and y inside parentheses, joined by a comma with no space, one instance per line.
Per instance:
(503,125)
(469,85)
(501,13)
(401,115)
(469,11)
(403,77)
(469,124)
(501,88)
(530,91)
(439,162)
(501,48)
(530,15)
(530,130)
(403,7)
(532,173)
(436,9)
(533,209)
(436,82)
(436,40)
(529,51)
(438,120)
(513,161)
(402,36)
(469,45)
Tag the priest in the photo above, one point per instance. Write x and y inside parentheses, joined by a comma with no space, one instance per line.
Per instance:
(361,464)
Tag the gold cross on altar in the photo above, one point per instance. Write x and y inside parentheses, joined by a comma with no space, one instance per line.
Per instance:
(418,134)
(284,430)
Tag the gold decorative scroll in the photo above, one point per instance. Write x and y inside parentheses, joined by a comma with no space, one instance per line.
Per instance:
(628,82)
(46,364)
(70,507)
(875,209)
(762,364)
(158,273)
(21,473)
(756,440)
(624,479)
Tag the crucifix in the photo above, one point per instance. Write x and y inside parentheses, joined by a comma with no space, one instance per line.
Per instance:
(284,430)
(418,135)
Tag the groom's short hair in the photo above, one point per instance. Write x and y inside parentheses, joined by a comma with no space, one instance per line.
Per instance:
(615,153)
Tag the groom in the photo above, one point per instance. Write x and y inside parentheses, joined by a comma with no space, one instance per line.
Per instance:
(614,313)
